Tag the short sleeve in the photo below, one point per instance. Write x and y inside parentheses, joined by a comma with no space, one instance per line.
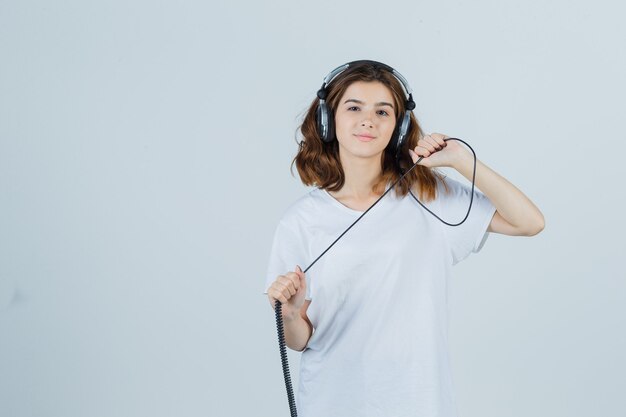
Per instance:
(288,250)
(471,235)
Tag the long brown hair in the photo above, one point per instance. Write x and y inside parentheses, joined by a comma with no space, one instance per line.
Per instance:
(318,162)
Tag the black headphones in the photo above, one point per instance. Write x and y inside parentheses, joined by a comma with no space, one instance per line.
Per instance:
(324,116)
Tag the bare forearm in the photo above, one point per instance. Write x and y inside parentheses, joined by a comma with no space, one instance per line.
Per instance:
(297,333)
(510,202)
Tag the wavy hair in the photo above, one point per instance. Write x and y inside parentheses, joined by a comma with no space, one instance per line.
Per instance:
(318,162)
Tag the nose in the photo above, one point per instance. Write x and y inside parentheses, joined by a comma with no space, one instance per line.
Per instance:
(367,123)
(367,117)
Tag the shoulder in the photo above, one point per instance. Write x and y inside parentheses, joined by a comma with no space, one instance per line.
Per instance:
(448,187)
(300,210)
(452,194)
(445,188)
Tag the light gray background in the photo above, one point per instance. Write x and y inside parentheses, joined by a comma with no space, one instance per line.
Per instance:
(144,163)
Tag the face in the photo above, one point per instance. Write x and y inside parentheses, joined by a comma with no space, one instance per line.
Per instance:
(365,119)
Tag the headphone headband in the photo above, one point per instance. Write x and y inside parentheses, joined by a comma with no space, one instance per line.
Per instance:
(331,75)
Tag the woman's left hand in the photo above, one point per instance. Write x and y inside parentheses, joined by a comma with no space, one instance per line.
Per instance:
(436,152)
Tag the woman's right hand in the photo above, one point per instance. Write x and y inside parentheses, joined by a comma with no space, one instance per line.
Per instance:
(290,290)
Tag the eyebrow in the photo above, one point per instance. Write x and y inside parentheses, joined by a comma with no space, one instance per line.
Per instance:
(381,103)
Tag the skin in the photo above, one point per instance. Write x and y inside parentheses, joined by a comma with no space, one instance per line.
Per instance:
(516,214)
(361,160)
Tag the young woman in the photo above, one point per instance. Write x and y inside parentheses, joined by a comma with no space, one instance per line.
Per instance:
(370,316)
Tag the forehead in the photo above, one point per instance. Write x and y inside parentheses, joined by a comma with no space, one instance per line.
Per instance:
(367,91)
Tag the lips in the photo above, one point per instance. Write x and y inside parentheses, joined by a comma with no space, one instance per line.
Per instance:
(364,137)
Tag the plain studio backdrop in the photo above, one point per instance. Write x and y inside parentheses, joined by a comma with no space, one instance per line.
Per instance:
(144,163)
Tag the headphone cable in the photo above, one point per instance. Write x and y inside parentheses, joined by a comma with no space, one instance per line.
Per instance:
(278,305)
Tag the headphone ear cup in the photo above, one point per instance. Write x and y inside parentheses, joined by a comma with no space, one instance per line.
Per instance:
(403,130)
(400,132)
(325,125)
(394,138)
(331,126)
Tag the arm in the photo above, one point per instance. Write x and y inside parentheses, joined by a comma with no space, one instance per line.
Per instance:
(290,289)
(515,214)
(298,329)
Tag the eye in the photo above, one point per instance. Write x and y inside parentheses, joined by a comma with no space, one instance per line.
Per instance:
(385,113)
(353,107)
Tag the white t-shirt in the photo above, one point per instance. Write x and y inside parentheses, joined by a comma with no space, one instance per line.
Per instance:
(379,299)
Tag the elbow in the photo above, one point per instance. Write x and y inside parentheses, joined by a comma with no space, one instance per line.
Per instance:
(538,226)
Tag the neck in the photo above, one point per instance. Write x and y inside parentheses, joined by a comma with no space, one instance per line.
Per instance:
(360,176)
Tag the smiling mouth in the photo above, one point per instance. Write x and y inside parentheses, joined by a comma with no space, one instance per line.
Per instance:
(364,138)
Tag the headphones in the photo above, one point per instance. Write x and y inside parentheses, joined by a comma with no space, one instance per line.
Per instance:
(324,115)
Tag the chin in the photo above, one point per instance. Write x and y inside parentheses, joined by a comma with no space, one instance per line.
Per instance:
(370,153)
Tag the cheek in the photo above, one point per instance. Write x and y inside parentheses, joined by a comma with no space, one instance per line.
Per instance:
(344,123)
(389,127)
